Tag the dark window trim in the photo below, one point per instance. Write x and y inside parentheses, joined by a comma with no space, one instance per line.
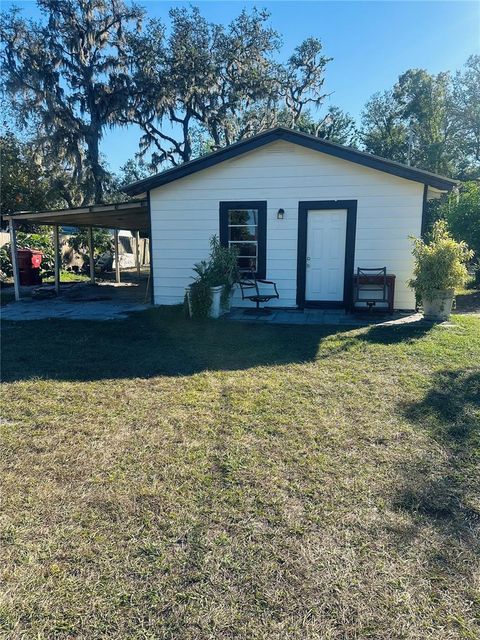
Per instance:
(303,209)
(261,205)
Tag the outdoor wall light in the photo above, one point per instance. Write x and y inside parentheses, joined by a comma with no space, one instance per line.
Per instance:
(280,214)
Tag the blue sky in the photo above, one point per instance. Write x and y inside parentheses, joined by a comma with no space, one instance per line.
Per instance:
(371,43)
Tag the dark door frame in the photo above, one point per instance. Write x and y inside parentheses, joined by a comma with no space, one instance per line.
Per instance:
(303,209)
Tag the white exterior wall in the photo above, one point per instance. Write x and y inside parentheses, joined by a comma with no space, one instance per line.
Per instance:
(185,214)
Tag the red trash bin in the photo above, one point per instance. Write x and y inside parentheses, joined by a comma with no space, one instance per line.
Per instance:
(29,262)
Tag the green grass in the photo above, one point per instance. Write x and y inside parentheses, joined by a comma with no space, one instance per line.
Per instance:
(170,479)
(69,276)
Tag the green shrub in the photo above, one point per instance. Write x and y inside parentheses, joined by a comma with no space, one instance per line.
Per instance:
(102,241)
(221,269)
(200,299)
(440,262)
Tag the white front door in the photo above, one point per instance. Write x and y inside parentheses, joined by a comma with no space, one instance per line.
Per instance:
(325,268)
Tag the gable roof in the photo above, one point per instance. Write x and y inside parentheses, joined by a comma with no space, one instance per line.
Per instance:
(296,137)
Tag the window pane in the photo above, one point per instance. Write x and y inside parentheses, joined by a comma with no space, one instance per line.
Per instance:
(247,264)
(242,216)
(242,233)
(245,249)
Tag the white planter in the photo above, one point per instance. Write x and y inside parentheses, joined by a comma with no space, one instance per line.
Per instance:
(438,306)
(229,300)
(189,304)
(216,308)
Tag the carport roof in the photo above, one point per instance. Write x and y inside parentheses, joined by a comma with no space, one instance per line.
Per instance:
(132,215)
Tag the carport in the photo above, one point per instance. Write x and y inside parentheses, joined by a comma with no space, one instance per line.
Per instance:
(132,216)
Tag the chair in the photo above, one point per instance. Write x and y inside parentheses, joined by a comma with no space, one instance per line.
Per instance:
(252,288)
(370,281)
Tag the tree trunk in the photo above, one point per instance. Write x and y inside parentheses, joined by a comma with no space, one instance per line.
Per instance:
(93,159)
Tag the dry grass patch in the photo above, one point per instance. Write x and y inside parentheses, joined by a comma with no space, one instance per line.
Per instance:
(166,479)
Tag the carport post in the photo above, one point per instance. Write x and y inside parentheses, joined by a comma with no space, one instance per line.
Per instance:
(13,250)
(137,252)
(117,257)
(91,255)
(56,248)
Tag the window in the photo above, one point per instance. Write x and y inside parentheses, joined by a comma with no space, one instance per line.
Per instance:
(244,225)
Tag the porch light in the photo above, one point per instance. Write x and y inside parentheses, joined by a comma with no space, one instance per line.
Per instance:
(280,214)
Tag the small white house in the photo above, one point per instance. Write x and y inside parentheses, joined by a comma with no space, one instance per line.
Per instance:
(302,211)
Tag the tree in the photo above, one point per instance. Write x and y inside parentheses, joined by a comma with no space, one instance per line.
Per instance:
(462,212)
(69,74)
(102,241)
(336,126)
(383,131)
(424,104)
(132,171)
(216,83)
(430,121)
(466,111)
(25,186)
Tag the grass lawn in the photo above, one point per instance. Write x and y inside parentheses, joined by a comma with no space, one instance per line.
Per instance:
(170,479)
(68,276)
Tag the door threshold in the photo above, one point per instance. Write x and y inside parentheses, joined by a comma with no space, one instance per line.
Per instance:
(320,304)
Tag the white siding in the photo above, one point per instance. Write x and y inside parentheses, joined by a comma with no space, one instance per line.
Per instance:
(185,214)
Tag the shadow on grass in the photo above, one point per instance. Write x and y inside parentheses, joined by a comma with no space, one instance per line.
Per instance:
(443,488)
(468,302)
(400,333)
(162,341)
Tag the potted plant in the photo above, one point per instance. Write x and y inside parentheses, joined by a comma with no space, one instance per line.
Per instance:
(211,292)
(440,268)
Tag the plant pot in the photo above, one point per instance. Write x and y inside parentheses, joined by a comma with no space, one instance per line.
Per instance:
(188,301)
(216,308)
(438,306)
(228,306)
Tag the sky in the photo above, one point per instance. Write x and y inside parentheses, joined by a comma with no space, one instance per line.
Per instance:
(371,44)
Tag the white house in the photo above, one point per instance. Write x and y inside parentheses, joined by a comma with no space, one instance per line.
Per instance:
(302,211)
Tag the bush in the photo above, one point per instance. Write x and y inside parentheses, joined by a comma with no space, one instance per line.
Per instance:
(102,241)
(41,242)
(462,213)
(200,299)
(221,269)
(440,262)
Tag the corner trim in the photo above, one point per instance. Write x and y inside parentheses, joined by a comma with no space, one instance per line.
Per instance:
(350,235)
(423,229)
(149,209)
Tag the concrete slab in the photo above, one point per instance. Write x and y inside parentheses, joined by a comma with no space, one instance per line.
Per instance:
(335,317)
(45,309)
(81,301)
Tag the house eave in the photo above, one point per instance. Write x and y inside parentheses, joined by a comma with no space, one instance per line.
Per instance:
(311,142)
